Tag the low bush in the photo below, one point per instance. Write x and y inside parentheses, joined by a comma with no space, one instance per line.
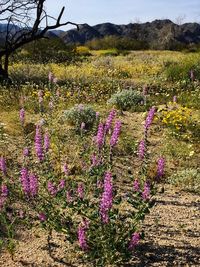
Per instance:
(126,100)
(188,179)
(81,115)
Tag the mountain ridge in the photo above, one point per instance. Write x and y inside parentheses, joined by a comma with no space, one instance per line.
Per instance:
(157,33)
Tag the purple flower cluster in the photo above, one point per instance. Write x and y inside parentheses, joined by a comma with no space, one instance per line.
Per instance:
(26,152)
(33,184)
(192,78)
(22,115)
(135,238)
(52,189)
(95,160)
(145,90)
(107,198)
(51,105)
(38,143)
(69,198)
(65,169)
(160,168)
(82,235)
(149,118)
(175,99)
(141,149)
(3,195)
(109,120)
(136,185)
(3,165)
(42,217)
(115,134)
(29,182)
(146,191)
(82,126)
(61,185)
(100,136)
(80,190)
(40,95)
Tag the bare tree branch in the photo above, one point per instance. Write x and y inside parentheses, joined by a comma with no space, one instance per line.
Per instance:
(25,21)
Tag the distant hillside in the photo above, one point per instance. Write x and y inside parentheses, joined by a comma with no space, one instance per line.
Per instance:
(158,34)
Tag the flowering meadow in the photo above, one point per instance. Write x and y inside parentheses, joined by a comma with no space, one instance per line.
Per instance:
(86,148)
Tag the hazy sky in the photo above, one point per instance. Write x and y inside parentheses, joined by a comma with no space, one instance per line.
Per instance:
(125,11)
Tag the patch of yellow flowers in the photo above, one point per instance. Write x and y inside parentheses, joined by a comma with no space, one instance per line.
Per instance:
(176,116)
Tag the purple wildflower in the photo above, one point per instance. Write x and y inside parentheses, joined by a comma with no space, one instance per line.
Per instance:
(22,115)
(160,168)
(109,120)
(95,161)
(149,118)
(175,99)
(40,96)
(42,217)
(82,236)
(69,197)
(55,80)
(65,169)
(80,190)
(61,184)
(100,136)
(141,150)
(38,143)
(46,141)
(145,90)
(106,200)
(4,191)
(52,189)
(115,134)
(26,152)
(3,165)
(50,76)
(82,126)
(146,191)
(25,181)
(135,238)
(51,105)
(33,184)
(192,75)
(97,115)
(136,185)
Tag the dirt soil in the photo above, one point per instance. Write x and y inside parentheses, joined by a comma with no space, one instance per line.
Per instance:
(172,238)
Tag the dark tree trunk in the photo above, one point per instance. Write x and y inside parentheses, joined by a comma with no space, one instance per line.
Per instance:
(4,77)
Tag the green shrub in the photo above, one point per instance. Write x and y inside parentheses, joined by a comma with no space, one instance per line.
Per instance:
(188,179)
(83,51)
(180,71)
(126,99)
(81,114)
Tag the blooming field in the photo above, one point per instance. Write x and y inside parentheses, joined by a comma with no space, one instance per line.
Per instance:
(79,160)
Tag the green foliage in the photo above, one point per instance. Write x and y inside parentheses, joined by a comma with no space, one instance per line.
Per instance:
(126,99)
(80,114)
(188,179)
(83,51)
(180,71)
(46,50)
(120,43)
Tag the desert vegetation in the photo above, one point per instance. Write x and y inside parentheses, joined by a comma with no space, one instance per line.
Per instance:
(86,146)
(99,154)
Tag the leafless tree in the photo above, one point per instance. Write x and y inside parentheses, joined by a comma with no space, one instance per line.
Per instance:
(24,21)
(180,19)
